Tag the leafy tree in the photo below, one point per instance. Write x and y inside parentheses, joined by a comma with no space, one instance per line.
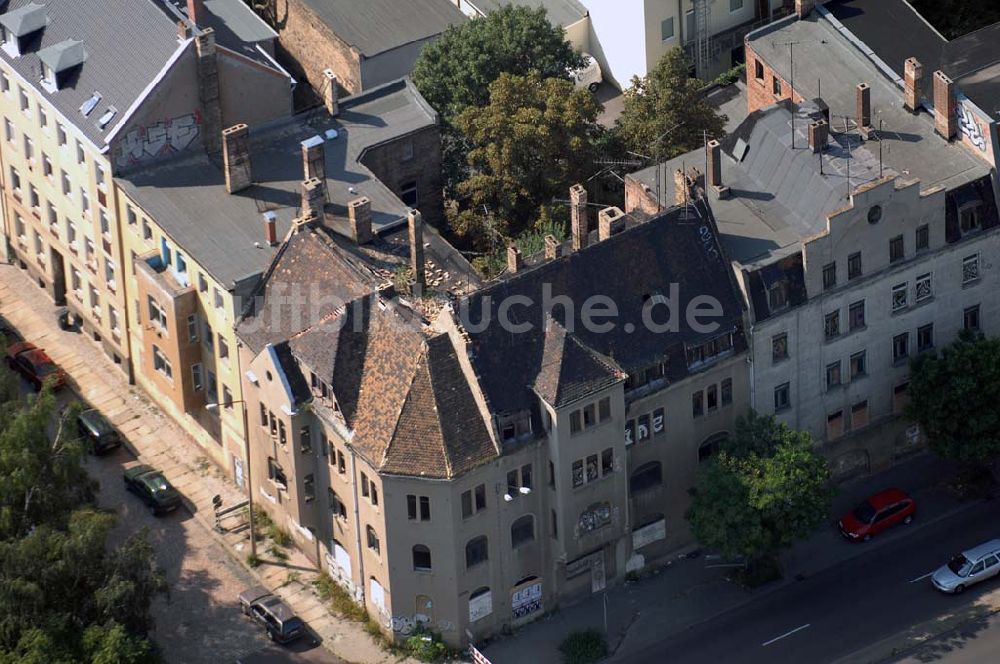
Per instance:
(765,489)
(455,71)
(529,144)
(665,114)
(954,396)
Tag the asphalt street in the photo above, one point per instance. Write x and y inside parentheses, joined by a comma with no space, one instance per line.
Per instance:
(977,642)
(842,610)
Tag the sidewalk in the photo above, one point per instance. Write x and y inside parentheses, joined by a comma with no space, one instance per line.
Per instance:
(683,592)
(157,440)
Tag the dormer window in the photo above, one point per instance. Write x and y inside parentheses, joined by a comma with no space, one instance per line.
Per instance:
(16,25)
(58,60)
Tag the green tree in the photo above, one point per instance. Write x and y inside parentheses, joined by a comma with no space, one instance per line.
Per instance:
(665,114)
(455,71)
(766,489)
(954,396)
(529,144)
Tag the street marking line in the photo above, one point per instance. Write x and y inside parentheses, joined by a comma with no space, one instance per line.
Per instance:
(921,578)
(778,638)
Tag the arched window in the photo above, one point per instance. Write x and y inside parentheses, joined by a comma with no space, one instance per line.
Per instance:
(712,445)
(372,537)
(421,558)
(645,477)
(522,531)
(477,551)
(480,604)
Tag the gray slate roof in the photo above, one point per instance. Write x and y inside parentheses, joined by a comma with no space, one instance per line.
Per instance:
(187,195)
(128,42)
(24,20)
(63,55)
(376,26)
(560,12)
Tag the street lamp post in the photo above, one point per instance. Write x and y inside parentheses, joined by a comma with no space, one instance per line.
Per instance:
(246,454)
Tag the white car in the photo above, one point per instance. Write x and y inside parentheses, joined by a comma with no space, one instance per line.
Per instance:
(589,76)
(977,564)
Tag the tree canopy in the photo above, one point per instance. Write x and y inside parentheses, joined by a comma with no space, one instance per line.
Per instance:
(765,489)
(528,145)
(665,114)
(455,71)
(65,595)
(954,396)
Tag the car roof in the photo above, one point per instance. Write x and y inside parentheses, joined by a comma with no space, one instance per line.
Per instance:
(887,497)
(977,552)
(20,347)
(136,471)
(251,595)
(94,418)
(278,609)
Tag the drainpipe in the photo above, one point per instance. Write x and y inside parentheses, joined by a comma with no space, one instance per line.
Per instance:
(357,521)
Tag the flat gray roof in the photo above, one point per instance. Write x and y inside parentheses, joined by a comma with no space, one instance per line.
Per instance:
(376,26)
(560,12)
(187,195)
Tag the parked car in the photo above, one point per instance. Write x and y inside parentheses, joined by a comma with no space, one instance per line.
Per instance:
(876,514)
(97,432)
(153,488)
(281,624)
(589,75)
(32,363)
(977,564)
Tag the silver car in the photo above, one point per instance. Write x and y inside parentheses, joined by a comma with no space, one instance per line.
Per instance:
(969,567)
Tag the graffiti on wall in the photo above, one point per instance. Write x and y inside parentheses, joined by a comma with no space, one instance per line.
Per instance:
(969,126)
(155,140)
(406,625)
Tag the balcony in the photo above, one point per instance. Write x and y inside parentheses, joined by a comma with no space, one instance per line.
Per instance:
(163,276)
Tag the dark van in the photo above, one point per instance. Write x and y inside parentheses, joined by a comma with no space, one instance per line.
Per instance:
(97,432)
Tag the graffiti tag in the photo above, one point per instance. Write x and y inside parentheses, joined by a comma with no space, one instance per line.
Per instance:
(970,127)
(164,137)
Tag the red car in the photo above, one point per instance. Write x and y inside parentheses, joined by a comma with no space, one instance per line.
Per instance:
(32,363)
(879,512)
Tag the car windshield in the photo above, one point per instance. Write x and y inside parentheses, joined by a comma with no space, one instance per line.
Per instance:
(156,483)
(960,565)
(45,368)
(864,512)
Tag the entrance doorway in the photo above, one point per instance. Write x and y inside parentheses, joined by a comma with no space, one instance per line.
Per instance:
(58,277)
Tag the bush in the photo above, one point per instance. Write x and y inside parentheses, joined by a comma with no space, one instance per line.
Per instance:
(971,483)
(425,646)
(758,573)
(280,536)
(253,560)
(340,600)
(584,647)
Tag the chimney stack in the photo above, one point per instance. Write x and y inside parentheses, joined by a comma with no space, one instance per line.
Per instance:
(207,66)
(610,221)
(863,112)
(553,249)
(944,105)
(803,7)
(579,226)
(330,93)
(913,72)
(359,211)
(313,158)
(514,261)
(417,248)
(183,31)
(313,198)
(270,229)
(236,158)
(196,10)
(819,132)
(714,150)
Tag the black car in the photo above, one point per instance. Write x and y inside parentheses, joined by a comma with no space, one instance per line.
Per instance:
(275,616)
(97,432)
(153,488)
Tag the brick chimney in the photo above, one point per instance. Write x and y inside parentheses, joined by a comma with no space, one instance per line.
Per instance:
(359,211)
(514,261)
(313,158)
(236,158)
(579,225)
(944,105)
(208,89)
(553,249)
(714,150)
(819,132)
(804,7)
(913,72)
(330,93)
(610,221)
(270,229)
(863,106)
(417,247)
(313,198)
(196,10)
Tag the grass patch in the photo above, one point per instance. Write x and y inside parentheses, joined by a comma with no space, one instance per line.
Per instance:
(427,646)
(584,647)
(341,602)
(253,560)
(277,553)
